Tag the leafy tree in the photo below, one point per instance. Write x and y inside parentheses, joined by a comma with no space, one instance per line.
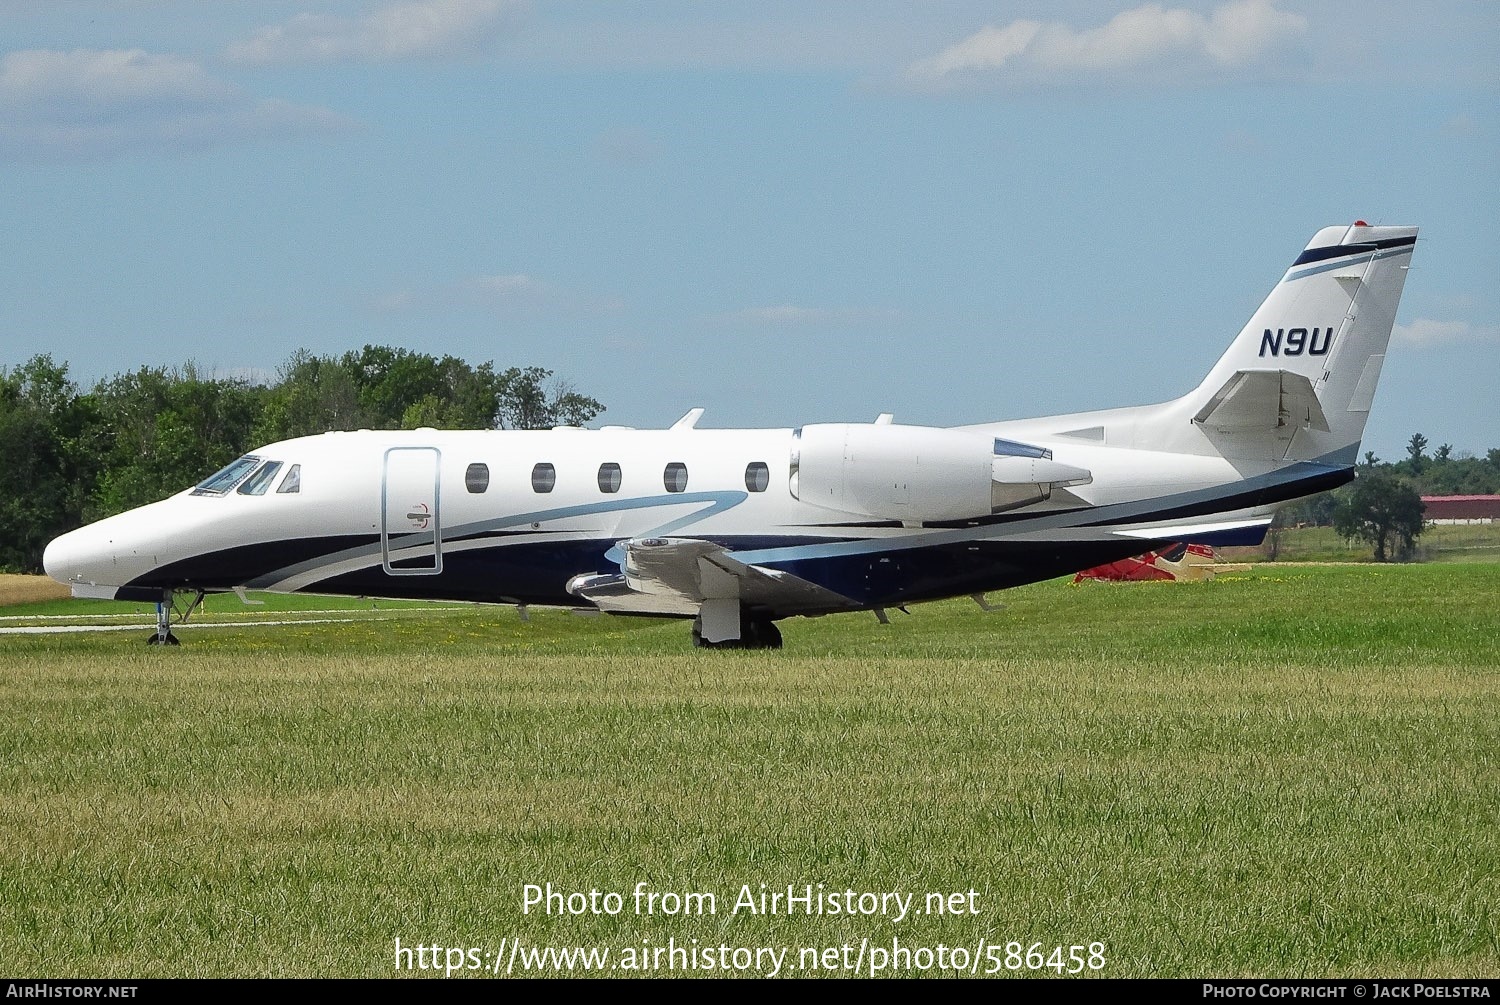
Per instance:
(529,400)
(381,387)
(1316,510)
(166,430)
(46,459)
(1443,453)
(1370,459)
(391,380)
(313,395)
(1382,510)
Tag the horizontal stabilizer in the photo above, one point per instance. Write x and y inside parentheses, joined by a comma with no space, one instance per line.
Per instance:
(1264,399)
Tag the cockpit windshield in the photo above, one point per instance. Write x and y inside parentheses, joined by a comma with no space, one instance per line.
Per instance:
(257,483)
(227,477)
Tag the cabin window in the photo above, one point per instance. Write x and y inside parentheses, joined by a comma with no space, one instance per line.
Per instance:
(477,477)
(675,477)
(757,476)
(257,483)
(227,477)
(543,478)
(292,482)
(609,477)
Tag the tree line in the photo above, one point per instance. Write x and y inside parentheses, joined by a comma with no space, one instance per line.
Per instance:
(1383,507)
(69,456)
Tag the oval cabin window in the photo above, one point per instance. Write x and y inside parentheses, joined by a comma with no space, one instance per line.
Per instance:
(477,477)
(757,476)
(609,477)
(675,477)
(543,478)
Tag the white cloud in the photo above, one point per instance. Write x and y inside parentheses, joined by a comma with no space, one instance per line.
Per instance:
(788,315)
(423,29)
(1144,42)
(79,81)
(506,293)
(509,285)
(93,102)
(1424,333)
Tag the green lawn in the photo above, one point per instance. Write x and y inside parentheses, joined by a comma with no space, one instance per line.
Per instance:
(1291,772)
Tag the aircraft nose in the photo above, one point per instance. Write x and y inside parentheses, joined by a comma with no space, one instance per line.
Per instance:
(88,556)
(115,552)
(62,558)
(57,558)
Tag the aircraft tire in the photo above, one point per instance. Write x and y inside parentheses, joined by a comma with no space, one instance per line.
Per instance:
(754,634)
(763,635)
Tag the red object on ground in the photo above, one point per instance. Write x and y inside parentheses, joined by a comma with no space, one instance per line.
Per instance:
(1168,564)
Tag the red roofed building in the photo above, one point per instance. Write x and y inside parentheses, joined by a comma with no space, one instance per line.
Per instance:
(1461,509)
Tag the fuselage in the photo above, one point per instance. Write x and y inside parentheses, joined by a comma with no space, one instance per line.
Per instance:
(515,516)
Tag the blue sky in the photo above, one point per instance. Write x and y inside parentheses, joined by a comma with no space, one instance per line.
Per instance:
(786,212)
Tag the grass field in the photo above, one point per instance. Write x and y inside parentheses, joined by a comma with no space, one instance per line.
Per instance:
(28,589)
(1292,772)
(1464,543)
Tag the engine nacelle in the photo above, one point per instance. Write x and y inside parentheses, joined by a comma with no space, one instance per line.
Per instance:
(920,474)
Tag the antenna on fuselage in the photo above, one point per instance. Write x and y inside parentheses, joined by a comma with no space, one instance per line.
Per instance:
(688,421)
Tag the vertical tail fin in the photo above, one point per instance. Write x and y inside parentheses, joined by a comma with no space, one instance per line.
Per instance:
(1298,381)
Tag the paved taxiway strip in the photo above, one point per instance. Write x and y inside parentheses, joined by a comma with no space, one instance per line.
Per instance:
(143,627)
(376,613)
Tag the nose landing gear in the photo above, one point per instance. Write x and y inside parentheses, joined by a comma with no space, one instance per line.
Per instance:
(166,613)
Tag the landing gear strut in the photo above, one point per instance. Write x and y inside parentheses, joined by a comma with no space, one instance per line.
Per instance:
(166,609)
(755,633)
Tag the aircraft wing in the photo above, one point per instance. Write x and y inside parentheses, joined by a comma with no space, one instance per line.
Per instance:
(677,575)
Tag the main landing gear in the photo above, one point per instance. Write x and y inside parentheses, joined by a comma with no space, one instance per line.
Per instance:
(755,633)
(166,613)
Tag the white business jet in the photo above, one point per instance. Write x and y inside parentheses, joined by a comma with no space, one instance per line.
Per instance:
(739,528)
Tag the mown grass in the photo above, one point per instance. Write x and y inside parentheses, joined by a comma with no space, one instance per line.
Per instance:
(1290,773)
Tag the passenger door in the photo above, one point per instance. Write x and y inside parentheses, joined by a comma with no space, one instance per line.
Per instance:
(411,535)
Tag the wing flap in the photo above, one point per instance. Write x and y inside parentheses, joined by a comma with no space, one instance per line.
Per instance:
(677,575)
